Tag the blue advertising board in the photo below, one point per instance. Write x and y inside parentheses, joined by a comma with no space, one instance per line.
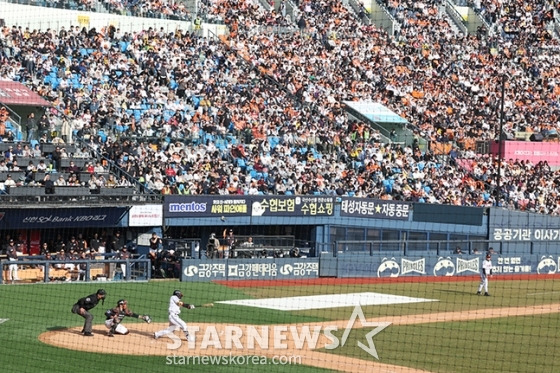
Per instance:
(250,269)
(364,266)
(380,266)
(61,217)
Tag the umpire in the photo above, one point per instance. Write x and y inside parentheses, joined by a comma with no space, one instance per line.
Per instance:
(83,305)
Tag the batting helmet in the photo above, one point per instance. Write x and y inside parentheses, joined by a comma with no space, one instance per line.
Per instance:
(178,293)
(121,302)
(102,292)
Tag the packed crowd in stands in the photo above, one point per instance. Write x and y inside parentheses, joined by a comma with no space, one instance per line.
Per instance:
(518,19)
(263,114)
(152,9)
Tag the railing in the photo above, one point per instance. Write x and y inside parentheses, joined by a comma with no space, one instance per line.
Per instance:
(442,248)
(292,11)
(265,5)
(278,30)
(34,270)
(15,119)
(556,23)
(382,18)
(456,17)
(120,195)
(358,10)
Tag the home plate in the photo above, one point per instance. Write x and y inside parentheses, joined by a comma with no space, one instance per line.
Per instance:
(326,301)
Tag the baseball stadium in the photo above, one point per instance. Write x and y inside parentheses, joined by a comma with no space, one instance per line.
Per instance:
(280,185)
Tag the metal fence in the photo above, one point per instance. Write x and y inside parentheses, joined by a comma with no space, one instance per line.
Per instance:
(31,270)
(443,248)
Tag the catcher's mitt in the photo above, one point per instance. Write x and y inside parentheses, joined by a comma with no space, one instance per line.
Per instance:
(147,319)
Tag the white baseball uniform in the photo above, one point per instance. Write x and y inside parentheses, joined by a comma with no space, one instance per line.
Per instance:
(175,321)
(484,273)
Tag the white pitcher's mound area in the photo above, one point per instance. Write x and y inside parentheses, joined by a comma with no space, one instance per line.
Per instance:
(326,301)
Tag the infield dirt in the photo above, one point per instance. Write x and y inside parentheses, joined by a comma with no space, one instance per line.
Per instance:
(141,340)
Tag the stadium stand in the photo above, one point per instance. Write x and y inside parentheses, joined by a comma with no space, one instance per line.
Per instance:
(259,113)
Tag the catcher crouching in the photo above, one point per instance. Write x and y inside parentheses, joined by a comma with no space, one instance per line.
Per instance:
(116,315)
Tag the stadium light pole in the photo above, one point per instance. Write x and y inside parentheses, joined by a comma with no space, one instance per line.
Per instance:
(500,139)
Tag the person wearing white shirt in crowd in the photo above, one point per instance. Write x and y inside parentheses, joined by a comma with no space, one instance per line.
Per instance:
(60,181)
(99,169)
(9,182)
(42,166)
(157,184)
(15,166)
(123,182)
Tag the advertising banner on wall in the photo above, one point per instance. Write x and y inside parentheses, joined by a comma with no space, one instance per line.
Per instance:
(293,206)
(525,234)
(529,151)
(145,216)
(250,269)
(207,206)
(374,208)
(366,266)
(61,218)
(383,267)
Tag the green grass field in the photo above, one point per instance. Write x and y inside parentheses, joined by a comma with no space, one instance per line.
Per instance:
(502,344)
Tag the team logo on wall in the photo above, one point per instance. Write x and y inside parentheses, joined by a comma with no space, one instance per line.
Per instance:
(388,268)
(191,271)
(470,265)
(416,266)
(547,266)
(444,267)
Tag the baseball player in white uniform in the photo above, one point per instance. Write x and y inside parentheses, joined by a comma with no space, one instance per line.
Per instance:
(175,321)
(485,272)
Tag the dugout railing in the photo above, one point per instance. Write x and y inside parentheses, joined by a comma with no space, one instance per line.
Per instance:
(443,248)
(100,270)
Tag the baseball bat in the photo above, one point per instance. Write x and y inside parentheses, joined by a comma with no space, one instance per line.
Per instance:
(205,305)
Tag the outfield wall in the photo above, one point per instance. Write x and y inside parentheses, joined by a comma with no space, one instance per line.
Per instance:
(363,266)
(252,269)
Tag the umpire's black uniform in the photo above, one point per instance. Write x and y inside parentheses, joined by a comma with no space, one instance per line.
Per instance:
(87,303)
